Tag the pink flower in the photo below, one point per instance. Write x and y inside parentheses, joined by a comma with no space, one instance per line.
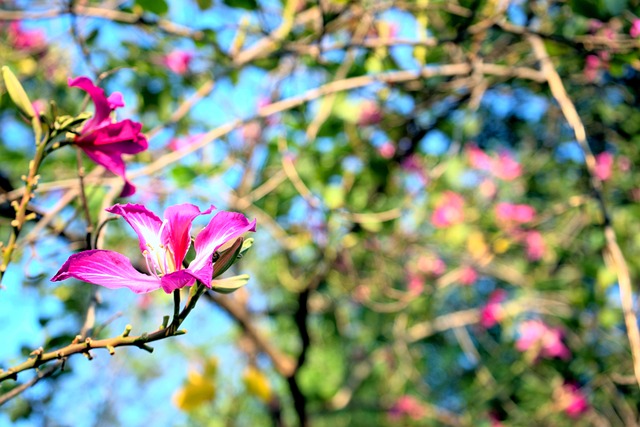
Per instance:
(387,150)
(431,265)
(544,341)
(407,406)
(634,31)
(572,400)
(105,141)
(415,283)
(449,210)
(370,114)
(479,159)
(535,245)
(468,276)
(604,165)
(511,213)
(506,167)
(592,64)
(492,312)
(26,39)
(178,61)
(164,245)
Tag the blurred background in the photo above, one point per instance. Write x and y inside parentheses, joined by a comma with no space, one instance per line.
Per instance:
(438,241)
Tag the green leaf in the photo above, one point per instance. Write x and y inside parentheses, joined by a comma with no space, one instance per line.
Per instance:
(230,284)
(159,7)
(242,4)
(204,4)
(183,175)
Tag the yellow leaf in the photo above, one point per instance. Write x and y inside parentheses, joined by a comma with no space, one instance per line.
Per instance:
(196,391)
(257,384)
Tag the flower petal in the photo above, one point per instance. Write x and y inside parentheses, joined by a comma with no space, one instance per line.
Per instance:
(106,268)
(177,232)
(144,222)
(115,100)
(103,108)
(223,227)
(122,138)
(177,280)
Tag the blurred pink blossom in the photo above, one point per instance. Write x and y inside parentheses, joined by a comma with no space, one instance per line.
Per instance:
(592,64)
(478,158)
(492,312)
(572,400)
(407,406)
(634,31)
(39,106)
(177,144)
(431,265)
(546,341)
(506,167)
(361,293)
(251,132)
(604,165)
(449,210)
(415,283)
(488,188)
(468,276)
(370,113)
(624,164)
(512,213)
(534,245)
(178,61)
(412,164)
(25,39)
(387,150)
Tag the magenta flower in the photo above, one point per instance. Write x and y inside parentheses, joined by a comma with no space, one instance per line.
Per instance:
(545,341)
(105,141)
(634,31)
(449,210)
(492,313)
(604,165)
(178,61)
(164,245)
(26,39)
(511,213)
(534,244)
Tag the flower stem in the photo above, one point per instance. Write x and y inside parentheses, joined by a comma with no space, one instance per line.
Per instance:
(31,182)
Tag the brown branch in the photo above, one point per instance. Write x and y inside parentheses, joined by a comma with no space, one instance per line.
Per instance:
(283,363)
(613,252)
